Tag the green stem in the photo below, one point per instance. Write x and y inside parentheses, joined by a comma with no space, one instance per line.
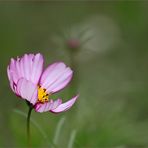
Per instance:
(28,125)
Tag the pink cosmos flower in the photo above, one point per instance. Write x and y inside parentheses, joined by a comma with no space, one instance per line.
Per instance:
(30,82)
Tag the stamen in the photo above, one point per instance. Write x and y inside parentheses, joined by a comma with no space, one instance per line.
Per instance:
(43,96)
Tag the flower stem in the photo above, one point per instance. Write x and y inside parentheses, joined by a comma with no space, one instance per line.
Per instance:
(28,125)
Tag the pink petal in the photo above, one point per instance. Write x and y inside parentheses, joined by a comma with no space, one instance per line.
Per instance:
(37,68)
(29,67)
(56,103)
(65,106)
(10,79)
(61,82)
(56,77)
(12,71)
(27,90)
(47,106)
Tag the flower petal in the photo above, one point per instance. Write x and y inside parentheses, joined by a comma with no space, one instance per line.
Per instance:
(47,106)
(65,106)
(27,90)
(56,77)
(12,71)
(37,68)
(29,66)
(10,79)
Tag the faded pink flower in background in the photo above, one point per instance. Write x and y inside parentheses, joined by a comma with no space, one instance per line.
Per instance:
(30,82)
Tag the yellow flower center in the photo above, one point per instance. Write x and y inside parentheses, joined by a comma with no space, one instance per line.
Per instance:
(43,96)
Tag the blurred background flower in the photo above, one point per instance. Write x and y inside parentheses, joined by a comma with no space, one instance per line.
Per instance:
(93,36)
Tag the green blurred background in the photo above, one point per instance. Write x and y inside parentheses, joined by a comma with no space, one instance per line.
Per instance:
(106,44)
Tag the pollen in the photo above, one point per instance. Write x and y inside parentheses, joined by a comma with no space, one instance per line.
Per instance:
(43,96)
